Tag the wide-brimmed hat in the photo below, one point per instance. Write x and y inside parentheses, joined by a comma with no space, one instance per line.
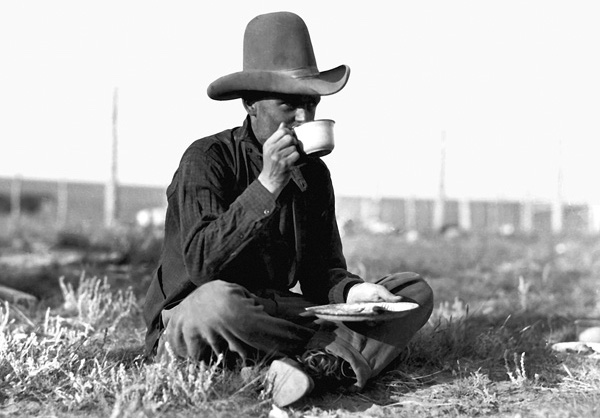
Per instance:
(279,58)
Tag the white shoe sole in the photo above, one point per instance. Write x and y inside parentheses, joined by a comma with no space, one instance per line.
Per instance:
(287,382)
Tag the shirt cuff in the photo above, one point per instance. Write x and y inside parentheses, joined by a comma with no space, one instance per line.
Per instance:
(258,201)
(338,293)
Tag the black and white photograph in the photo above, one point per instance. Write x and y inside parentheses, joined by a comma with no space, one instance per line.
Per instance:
(315,209)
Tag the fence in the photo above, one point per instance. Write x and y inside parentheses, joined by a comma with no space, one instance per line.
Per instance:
(74,204)
(69,204)
(504,216)
(440,212)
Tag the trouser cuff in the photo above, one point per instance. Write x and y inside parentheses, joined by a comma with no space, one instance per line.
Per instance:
(333,344)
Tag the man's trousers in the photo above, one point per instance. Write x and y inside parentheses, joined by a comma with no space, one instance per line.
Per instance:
(222,317)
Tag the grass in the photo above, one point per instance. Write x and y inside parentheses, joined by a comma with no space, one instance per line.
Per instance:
(500,304)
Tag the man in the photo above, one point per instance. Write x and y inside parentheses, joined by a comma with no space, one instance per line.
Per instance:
(250,216)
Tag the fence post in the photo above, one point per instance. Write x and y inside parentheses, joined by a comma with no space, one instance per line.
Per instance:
(62,203)
(557,203)
(527,216)
(110,189)
(440,202)
(593,218)
(464,215)
(557,216)
(410,214)
(16,189)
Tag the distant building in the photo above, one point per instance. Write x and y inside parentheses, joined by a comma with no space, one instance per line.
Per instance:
(72,204)
(80,205)
(484,216)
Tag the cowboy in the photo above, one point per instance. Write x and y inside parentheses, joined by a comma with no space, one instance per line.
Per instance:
(249,216)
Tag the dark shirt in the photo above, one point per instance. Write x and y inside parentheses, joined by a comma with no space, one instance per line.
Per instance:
(223,224)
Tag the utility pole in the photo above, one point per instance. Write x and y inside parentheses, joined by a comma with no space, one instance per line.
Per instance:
(111,187)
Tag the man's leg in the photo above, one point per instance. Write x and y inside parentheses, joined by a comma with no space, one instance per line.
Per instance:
(221,316)
(370,348)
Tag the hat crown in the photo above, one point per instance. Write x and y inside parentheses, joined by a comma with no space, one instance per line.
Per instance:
(278,58)
(278,42)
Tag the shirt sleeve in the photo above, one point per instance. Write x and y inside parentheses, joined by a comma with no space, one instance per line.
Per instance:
(326,278)
(213,232)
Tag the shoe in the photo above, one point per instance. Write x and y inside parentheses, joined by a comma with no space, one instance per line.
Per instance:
(327,370)
(287,382)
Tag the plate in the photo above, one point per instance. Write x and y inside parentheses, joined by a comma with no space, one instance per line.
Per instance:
(363,311)
(577,347)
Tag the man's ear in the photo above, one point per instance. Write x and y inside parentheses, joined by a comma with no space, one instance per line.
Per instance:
(250,107)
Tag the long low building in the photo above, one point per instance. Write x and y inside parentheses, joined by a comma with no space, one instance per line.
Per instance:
(71,204)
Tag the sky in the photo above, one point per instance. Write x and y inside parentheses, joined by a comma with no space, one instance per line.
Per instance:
(512,86)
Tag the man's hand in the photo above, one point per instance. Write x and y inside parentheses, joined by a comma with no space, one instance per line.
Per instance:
(370,292)
(279,156)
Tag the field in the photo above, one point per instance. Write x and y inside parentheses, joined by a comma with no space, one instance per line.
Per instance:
(501,302)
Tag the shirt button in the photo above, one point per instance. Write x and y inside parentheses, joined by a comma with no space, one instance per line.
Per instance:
(266,211)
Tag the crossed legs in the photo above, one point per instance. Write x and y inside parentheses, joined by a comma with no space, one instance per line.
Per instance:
(221,317)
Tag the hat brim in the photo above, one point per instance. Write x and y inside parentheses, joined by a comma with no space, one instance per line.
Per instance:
(236,85)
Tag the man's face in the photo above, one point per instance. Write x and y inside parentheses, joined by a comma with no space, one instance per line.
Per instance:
(268,112)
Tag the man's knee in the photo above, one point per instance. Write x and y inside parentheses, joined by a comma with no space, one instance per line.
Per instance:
(216,299)
(411,286)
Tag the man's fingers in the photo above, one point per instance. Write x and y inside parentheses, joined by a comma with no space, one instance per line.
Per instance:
(370,292)
(277,143)
(283,153)
(281,133)
(288,157)
(388,296)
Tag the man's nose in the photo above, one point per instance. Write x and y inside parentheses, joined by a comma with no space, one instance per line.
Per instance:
(303,114)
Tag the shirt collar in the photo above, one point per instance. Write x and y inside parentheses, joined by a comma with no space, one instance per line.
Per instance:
(244,133)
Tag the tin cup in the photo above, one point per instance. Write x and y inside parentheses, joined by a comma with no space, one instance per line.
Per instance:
(316,137)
